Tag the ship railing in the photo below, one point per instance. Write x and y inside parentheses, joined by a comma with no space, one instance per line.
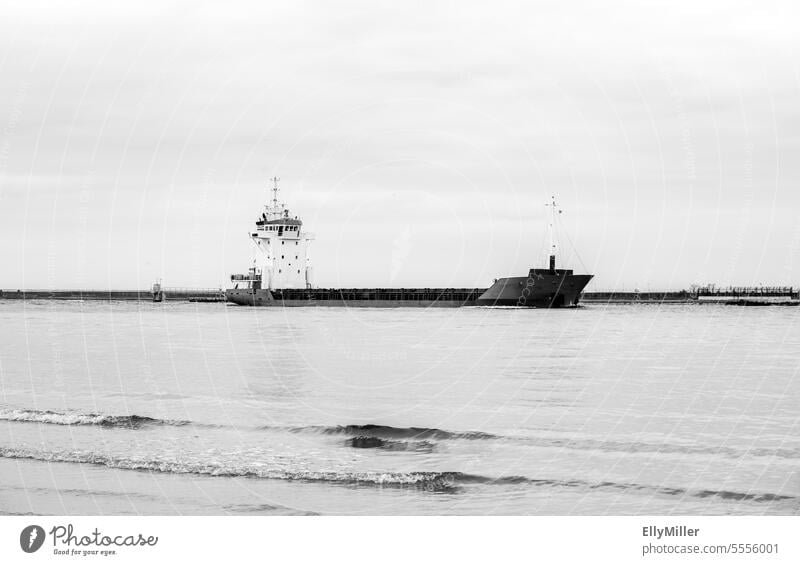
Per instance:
(380,294)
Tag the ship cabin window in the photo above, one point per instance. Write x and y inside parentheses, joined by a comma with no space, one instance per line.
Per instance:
(280,271)
(298,271)
(282,257)
(283,242)
(295,243)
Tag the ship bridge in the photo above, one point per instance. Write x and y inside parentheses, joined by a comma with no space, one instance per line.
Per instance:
(291,227)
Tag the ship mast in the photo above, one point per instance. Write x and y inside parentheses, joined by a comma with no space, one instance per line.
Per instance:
(551,231)
(274,210)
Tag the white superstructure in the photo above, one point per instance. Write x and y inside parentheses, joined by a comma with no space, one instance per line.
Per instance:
(282,257)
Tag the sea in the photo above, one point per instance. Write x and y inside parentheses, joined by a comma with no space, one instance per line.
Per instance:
(118,408)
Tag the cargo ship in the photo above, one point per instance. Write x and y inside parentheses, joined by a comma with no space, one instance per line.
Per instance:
(281,275)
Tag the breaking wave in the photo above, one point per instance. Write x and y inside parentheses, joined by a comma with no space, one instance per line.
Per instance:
(390,432)
(432,481)
(84,419)
(425,480)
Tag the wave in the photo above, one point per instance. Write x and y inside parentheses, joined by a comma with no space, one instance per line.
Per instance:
(390,432)
(426,480)
(267,509)
(432,481)
(384,437)
(664,448)
(372,442)
(750,496)
(132,421)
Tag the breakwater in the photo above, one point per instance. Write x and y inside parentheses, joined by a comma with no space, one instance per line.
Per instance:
(635,296)
(180,294)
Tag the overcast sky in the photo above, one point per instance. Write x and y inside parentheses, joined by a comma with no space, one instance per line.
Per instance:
(418,141)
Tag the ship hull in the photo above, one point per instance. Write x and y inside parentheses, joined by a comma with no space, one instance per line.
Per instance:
(540,289)
(356,298)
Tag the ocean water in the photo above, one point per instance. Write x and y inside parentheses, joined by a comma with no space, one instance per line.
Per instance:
(178,408)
